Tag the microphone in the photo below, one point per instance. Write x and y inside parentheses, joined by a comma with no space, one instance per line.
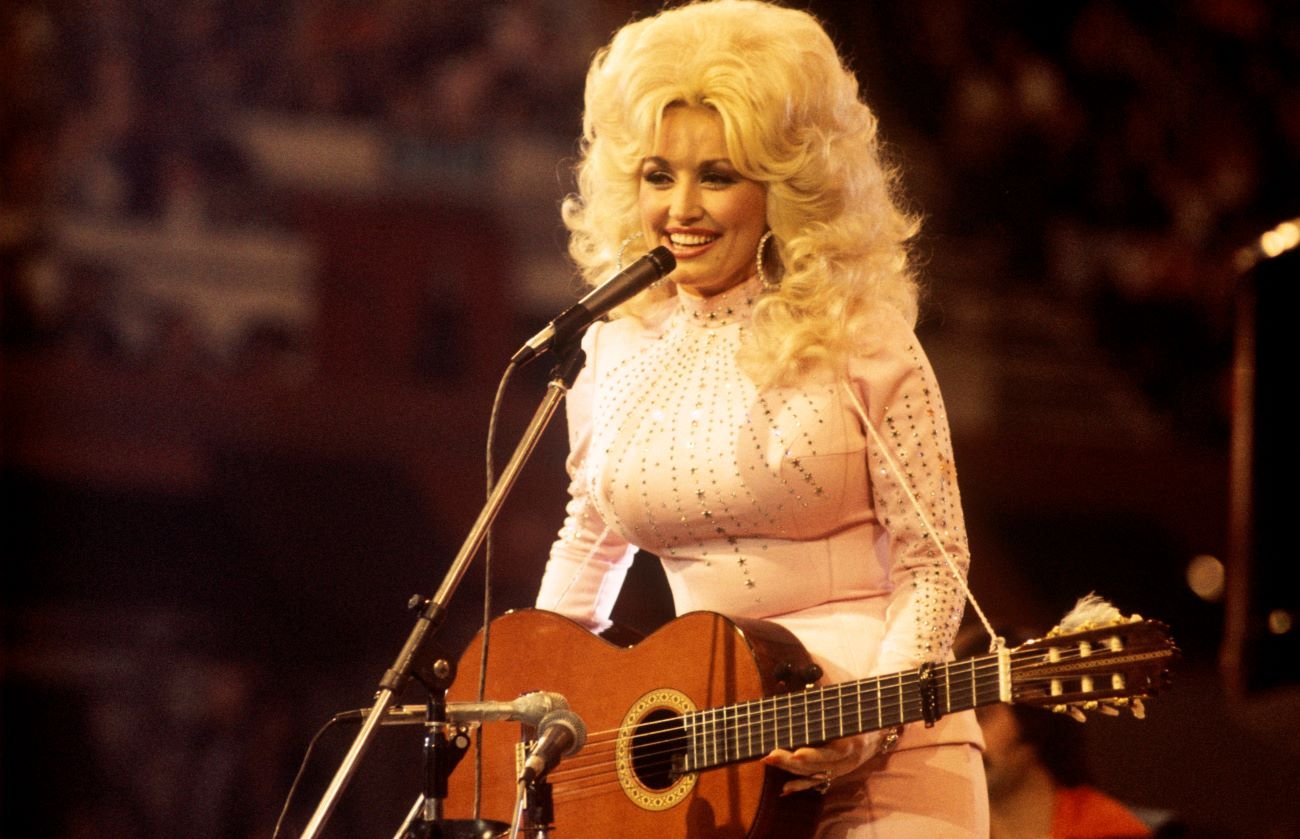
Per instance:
(561,734)
(530,708)
(620,288)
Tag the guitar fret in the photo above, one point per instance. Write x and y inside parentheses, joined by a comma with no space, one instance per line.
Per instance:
(746,730)
(790,721)
(766,717)
(689,761)
(807,731)
(841,709)
(837,710)
(728,734)
(720,720)
(704,737)
(711,736)
(832,712)
(703,732)
(724,732)
(902,700)
(737,729)
(720,734)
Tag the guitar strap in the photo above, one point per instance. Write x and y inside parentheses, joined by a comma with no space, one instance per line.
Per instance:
(996,643)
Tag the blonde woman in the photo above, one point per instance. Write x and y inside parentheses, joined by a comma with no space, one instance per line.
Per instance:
(765,421)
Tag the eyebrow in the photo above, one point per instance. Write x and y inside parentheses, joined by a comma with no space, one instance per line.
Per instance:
(720,161)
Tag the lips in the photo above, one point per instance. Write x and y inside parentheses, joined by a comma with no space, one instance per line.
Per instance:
(686,240)
(690,240)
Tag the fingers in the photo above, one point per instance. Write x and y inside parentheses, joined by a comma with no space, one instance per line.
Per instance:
(816,767)
(820,782)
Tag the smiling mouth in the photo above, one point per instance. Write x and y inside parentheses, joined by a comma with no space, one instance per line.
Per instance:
(692,240)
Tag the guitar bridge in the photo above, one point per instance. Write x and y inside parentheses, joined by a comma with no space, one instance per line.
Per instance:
(522,748)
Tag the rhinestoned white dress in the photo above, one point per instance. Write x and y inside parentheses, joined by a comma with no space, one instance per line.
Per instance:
(772,503)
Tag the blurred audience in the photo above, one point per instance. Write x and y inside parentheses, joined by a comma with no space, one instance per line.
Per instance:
(1116,154)
(1038,778)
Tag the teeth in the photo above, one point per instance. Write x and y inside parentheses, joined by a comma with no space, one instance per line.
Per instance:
(690,239)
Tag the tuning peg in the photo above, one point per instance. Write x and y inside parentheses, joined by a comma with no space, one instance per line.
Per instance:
(1139,710)
(1074,712)
(1108,709)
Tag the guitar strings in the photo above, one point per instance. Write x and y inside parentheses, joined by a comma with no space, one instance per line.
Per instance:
(599,756)
(823,705)
(803,711)
(656,762)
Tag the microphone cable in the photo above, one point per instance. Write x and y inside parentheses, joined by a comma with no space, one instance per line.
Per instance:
(302,769)
(489,482)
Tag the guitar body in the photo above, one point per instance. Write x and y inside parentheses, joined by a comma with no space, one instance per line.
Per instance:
(676,724)
(615,786)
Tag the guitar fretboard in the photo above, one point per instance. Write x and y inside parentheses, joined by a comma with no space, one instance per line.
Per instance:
(748,730)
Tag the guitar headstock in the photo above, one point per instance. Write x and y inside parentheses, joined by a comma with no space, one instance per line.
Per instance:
(1102,662)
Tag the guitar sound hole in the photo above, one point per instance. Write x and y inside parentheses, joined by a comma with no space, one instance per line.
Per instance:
(658,747)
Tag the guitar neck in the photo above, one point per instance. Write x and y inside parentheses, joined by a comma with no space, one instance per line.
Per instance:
(748,730)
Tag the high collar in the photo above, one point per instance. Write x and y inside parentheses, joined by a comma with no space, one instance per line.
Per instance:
(731,306)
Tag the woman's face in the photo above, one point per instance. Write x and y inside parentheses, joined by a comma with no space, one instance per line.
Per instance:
(693,201)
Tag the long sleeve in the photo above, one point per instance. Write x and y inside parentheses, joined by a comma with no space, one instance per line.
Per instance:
(916,498)
(588,561)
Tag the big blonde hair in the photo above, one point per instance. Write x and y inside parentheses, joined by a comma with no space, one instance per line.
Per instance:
(793,121)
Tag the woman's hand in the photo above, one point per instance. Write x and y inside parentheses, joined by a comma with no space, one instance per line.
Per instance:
(819,766)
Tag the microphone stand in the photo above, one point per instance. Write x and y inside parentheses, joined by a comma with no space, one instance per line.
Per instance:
(433,610)
(444,746)
(541,815)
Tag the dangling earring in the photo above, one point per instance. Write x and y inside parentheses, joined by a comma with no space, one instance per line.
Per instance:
(768,284)
(623,246)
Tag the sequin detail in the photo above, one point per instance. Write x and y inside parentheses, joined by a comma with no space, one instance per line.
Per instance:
(768,501)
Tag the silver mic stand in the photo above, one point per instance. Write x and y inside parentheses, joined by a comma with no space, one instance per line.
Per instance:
(433,611)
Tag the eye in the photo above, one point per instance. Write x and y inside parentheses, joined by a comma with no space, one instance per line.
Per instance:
(717,178)
(657,177)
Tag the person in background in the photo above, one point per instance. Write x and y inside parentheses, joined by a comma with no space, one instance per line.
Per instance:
(765,421)
(1039,784)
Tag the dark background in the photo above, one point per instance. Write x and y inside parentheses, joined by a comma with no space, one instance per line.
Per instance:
(263,265)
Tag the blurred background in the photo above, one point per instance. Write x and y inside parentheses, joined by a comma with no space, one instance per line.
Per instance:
(264,263)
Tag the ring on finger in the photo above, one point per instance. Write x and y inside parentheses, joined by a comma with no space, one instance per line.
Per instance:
(825,783)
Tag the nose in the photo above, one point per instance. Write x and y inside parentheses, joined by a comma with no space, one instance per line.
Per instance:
(684,205)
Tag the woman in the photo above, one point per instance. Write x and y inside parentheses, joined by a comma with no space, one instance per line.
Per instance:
(765,421)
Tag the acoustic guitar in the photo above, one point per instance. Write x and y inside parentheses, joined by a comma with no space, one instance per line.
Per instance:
(676,722)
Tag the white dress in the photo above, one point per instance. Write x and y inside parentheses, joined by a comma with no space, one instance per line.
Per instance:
(773,503)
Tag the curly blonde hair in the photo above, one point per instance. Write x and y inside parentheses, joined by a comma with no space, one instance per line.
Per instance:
(792,120)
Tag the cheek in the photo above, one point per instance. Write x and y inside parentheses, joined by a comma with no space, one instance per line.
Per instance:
(650,205)
(747,209)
